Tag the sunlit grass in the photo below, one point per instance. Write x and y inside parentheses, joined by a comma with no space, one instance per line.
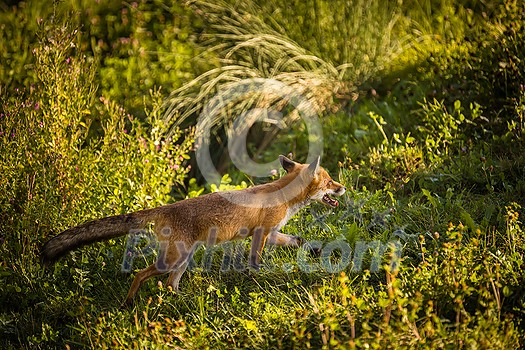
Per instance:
(435,177)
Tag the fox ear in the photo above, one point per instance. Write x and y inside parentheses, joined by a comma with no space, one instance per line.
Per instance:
(287,163)
(313,168)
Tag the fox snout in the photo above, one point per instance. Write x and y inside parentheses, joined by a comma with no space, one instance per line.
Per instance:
(340,190)
(333,189)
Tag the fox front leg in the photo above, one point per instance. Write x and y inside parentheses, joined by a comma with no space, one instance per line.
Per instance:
(281,239)
(258,241)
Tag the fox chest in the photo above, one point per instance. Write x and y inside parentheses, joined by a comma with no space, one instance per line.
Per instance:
(291,211)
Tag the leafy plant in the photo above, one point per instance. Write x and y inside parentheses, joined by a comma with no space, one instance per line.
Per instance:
(66,158)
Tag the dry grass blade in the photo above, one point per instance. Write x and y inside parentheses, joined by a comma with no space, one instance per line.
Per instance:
(248,49)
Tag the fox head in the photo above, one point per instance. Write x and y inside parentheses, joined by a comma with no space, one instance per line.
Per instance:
(320,187)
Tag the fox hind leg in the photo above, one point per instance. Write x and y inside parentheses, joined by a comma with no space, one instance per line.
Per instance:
(175,260)
(141,276)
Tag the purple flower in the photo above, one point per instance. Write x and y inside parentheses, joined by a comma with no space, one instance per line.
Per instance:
(37,106)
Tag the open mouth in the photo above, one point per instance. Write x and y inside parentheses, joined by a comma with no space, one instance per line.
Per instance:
(330,201)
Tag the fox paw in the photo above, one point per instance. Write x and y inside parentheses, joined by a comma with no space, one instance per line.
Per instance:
(254,268)
(316,251)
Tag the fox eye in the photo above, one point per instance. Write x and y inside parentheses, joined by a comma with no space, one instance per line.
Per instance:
(330,183)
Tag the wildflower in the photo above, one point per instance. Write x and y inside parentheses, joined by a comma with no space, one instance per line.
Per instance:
(273,172)
(37,106)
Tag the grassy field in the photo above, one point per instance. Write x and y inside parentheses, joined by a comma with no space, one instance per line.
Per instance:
(422,107)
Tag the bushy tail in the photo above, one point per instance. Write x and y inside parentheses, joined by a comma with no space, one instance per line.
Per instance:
(92,231)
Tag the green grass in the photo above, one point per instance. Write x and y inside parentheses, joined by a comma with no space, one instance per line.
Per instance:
(427,134)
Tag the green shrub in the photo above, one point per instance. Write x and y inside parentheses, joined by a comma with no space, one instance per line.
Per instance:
(142,45)
(68,157)
(18,27)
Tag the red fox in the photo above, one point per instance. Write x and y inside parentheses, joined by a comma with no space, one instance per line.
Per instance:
(260,211)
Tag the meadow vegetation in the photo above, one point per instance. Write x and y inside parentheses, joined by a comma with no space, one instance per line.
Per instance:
(422,104)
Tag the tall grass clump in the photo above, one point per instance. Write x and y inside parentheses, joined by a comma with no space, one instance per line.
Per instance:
(248,48)
(250,43)
(359,36)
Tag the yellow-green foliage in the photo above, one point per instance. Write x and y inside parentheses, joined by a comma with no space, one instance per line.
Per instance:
(431,153)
